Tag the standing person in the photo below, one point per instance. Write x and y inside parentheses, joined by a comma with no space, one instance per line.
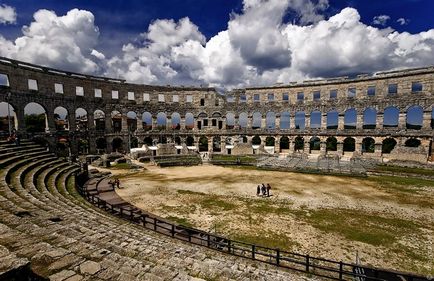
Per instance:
(118,182)
(263,189)
(258,190)
(268,189)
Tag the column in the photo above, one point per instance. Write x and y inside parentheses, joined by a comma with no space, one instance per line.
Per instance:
(90,121)
(323,147)
(307,121)
(292,121)
(21,121)
(378,149)
(223,146)
(340,148)
(291,146)
(402,121)
(108,123)
(306,146)
(277,123)
(426,124)
(124,123)
(139,123)
(359,121)
(324,121)
(277,145)
(71,121)
(341,121)
(379,121)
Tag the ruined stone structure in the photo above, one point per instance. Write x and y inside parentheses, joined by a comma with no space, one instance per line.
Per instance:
(389,114)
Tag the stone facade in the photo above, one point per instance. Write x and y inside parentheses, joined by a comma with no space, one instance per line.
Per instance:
(201,118)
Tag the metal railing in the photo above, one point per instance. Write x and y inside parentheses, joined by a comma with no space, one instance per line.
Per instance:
(307,264)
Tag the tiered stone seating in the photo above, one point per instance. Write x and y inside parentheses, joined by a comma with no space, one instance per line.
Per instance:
(47,227)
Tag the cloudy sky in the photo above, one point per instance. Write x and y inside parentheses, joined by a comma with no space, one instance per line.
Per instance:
(222,43)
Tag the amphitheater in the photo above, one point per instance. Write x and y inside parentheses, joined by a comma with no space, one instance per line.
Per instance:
(56,225)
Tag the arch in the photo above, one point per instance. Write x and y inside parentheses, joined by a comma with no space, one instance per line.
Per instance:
(116,117)
(388,145)
(299,143)
(391,117)
(414,117)
(350,119)
(270,141)
(35,118)
(117,145)
(81,119)
(83,145)
(177,140)
(242,139)
(147,121)
(161,120)
(176,121)
(270,120)
(368,145)
(189,121)
(349,145)
(315,120)
(331,144)
(243,120)
(314,143)
(257,120)
(216,144)
(61,118)
(285,120)
(412,142)
(99,120)
(230,120)
(369,118)
(332,120)
(216,115)
(189,141)
(101,145)
(203,144)
(300,120)
(256,140)
(284,143)
(148,141)
(132,121)
(7,117)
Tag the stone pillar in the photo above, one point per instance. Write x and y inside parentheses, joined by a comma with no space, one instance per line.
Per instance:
(154,123)
(277,145)
(292,121)
(124,123)
(378,149)
(307,121)
(92,145)
(263,123)
(358,148)
(139,123)
(168,123)
(379,121)
(324,121)
(359,122)
(21,121)
(291,146)
(72,122)
(223,146)
(182,123)
(210,142)
(90,121)
(323,148)
(277,123)
(341,121)
(306,146)
(340,148)
(402,121)
(108,123)
(426,124)
(249,122)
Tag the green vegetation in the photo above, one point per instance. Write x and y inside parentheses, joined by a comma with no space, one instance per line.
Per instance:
(181,221)
(215,202)
(122,166)
(267,239)
(182,191)
(406,170)
(234,158)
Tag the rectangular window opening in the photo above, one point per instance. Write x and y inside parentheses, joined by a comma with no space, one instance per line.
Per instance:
(271,97)
(146,97)
(371,91)
(4,80)
(333,94)
(79,91)
(33,84)
(58,88)
(115,95)
(316,95)
(416,87)
(393,89)
(98,93)
(131,96)
(285,97)
(351,92)
(256,98)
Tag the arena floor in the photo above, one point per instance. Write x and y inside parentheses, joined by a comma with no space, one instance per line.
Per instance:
(389,222)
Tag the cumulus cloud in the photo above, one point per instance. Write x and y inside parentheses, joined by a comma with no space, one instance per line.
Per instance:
(403,21)
(381,20)
(65,42)
(257,48)
(8,15)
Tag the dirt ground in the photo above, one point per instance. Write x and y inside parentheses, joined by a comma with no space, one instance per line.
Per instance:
(389,224)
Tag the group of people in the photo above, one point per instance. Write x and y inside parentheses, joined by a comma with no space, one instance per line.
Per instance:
(14,138)
(263,190)
(115,183)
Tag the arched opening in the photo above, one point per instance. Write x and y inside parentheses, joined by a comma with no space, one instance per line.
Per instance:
(177,140)
(390,117)
(189,121)
(314,143)
(270,141)
(256,140)
(315,120)
(415,117)
(331,144)
(350,119)
(349,145)
(216,120)
(132,121)
(61,119)
(369,118)
(82,145)
(101,145)
(148,141)
(243,139)
(81,119)
(368,145)
(116,117)
(162,139)
(35,118)
(299,144)
(230,120)
(117,145)
(8,117)
(243,120)
(176,121)
(332,120)
(202,120)
(284,143)
(99,119)
(203,144)
(270,120)
(147,121)
(285,120)
(388,145)
(257,120)
(412,142)
(161,121)
(300,120)
(134,142)
(189,141)
(216,144)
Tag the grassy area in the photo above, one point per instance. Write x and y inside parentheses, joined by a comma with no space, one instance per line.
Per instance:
(214,202)
(401,183)
(180,220)
(267,239)
(234,158)
(406,170)
(121,166)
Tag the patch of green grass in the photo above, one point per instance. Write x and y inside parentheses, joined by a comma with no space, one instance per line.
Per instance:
(269,240)
(189,192)
(214,202)
(122,166)
(244,159)
(180,220)
(406,170)
(400,182)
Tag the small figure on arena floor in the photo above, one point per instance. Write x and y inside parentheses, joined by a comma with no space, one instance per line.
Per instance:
(264,190)
(258,190)
(268,189)
(118,182)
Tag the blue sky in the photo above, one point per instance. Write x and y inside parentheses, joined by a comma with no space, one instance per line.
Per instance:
(225,43)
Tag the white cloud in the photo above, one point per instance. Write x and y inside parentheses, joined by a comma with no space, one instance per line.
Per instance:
(381,20)
(64,42)
(403,21)
(8,15)
(97,54)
